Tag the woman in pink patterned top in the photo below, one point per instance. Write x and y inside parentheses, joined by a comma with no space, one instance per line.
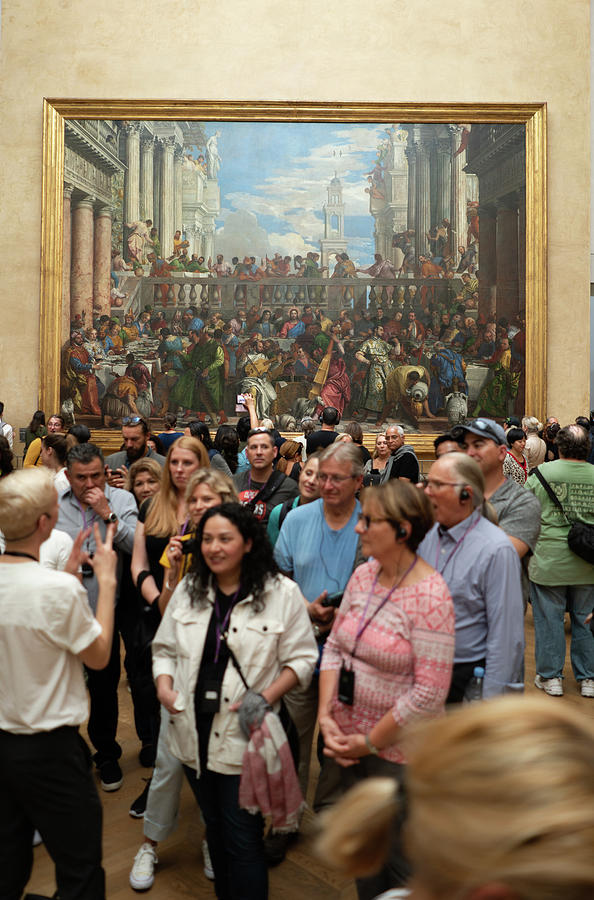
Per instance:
(388,660)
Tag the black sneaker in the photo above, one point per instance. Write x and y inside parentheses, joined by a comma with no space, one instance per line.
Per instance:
(110,775)
(138,807)
(146,756)
(276,846)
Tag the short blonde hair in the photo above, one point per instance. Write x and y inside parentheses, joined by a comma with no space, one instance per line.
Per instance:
(25,495)
(501,791)
(217,481)
(504,791)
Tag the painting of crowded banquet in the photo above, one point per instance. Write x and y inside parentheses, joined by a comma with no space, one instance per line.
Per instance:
(377,267)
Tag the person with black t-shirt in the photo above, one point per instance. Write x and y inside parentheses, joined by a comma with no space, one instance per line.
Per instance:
(262,488)
(326,435)
(403,462)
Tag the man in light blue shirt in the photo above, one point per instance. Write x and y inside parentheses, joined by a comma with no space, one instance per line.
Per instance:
(483,573)
(317,547)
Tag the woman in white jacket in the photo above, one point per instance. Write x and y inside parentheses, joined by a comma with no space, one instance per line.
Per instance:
(232,611)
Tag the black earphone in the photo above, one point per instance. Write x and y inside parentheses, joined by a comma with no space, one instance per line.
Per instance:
(464,494)
(402,532)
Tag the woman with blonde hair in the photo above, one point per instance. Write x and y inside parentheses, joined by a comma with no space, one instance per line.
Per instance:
(499,804)
(388,660)
(159,517)
(375,466)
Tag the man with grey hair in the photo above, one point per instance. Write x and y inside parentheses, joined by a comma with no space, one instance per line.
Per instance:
(88,502)
(319,548)
(403,462)
(482,570)
(559,579)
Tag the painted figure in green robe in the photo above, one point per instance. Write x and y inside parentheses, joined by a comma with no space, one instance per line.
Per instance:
(200,387)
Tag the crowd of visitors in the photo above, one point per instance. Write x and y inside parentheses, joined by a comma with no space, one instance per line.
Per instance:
(269,590)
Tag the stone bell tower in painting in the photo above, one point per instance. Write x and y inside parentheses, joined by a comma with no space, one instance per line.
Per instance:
(334,240)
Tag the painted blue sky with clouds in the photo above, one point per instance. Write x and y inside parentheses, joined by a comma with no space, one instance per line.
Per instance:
(273,182)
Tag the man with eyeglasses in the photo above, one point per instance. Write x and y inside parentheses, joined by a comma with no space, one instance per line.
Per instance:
(518,511)
(482,570)
(135,437)
(319,548)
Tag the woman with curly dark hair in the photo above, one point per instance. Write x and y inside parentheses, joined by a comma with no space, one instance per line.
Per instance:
(36,428)
(234,623)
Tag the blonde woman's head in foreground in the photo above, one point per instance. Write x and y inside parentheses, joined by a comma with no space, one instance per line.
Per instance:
(500,805)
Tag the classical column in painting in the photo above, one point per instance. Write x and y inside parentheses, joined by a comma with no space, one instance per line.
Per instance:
(458,195)
(411,156)
(488,261)
(102,261)
(423,199)
(507,258)
(146,178)
(157,163)
(208,232)
(178,188)
(132,188)
(443,171)
(167,198)
(81,281)
(66,263)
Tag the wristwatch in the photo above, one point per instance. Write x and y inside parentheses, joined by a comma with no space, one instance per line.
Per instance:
(111,518)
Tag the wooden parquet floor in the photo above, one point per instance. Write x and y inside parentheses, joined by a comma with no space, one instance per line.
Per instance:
(179,874)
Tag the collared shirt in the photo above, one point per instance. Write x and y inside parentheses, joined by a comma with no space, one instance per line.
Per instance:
(72,519)
(482,570)
(7,432)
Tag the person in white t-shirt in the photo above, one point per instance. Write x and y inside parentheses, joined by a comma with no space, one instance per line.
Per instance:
(47,632)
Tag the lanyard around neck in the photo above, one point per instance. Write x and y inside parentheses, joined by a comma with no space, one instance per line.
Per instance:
(457,545)
(364,623)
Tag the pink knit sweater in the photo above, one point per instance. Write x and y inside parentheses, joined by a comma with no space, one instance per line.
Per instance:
(403,661)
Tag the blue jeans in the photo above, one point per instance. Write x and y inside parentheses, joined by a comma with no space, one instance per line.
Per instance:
(548,609)
(235,837)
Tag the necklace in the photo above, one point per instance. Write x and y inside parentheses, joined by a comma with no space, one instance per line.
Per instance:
(15,553)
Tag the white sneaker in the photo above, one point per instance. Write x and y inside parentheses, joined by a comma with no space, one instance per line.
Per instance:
(552,686)
(587,687)
(142,875)
(208,869)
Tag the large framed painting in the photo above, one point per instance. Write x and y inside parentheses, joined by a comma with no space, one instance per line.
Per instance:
(385,259)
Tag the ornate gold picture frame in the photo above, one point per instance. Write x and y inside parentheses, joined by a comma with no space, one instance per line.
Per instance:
(58,113)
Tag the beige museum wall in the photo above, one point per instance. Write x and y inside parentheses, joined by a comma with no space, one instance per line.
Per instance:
(381,50)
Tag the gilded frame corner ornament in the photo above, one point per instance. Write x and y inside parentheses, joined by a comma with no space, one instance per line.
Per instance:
(532,115)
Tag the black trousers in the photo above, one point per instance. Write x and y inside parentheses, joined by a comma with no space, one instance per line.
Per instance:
(139,671)
(103,717)
(46,783)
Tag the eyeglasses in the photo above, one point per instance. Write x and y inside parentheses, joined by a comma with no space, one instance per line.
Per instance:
(132,420)
(366,521)
(438,485)
(334,479)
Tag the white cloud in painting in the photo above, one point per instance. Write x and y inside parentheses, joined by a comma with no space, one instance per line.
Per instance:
(293,196)
(241,235)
